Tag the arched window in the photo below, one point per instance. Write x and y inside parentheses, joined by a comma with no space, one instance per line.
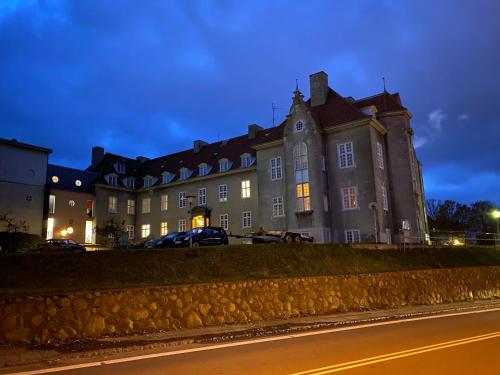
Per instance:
(301,177)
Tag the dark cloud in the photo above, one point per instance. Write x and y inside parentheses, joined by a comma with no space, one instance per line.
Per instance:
(146,78)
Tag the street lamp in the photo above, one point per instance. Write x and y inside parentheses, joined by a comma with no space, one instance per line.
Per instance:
(496,215)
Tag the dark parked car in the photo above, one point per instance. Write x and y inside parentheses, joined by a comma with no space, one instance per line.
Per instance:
(208,236)
(61,244)
(168,240)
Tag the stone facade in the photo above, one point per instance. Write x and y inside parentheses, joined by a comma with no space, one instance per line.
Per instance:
(49,318)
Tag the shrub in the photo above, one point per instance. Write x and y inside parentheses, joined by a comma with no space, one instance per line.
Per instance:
(18,241)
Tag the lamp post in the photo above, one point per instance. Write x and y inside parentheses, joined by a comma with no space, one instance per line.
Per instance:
(496,215)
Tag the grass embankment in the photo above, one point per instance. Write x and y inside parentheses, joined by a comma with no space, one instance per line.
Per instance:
(28,273)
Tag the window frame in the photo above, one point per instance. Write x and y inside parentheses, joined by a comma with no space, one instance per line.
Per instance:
(163,228)
(246,190)
(223,193)
(146,208)
(183,227)
(130,207)
(346,155)
(130,231)
(246,219)
(112,208)
(380,155)
(145,230)
(349,197)
(353,234)
(276,169)
(202,196)
(224,221)
(182,200)
(278,206)
(164,202)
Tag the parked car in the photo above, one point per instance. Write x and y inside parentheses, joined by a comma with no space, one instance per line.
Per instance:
(150,244)
(61,244)
(168,240)
(207,236)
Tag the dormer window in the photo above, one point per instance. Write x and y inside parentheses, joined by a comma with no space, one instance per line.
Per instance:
(246,160)
(224,165)
(112,179)
(203,169)
(119,167)
(299,126)
(148,181)
(129,182)
(166,177)
(184,174)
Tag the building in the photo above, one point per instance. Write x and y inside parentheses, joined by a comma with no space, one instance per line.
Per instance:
(338,169)
(23,171)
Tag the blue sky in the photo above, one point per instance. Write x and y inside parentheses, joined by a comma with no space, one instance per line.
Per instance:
(149,77)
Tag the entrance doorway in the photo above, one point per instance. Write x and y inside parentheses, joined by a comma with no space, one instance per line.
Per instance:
(199,221)
(89,231)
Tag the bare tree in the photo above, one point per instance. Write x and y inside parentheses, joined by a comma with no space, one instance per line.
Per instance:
(112,229)
(12,224)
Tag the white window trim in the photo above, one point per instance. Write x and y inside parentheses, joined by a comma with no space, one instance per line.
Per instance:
(202,196)
(223,193)
(228,162)
(131,232)
(224,219)
(380,155)
(278,202)
(167,177)
(185,173)
(295,129)
(339,155)
(181,228)
(352,231)
(111,179)
(249,160)
(145,228)
(385,202)
(163,228)
(344,208)
(248,215)
(246,192)
(182,199)
(276,170)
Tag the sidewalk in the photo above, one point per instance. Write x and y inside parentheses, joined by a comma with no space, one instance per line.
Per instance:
(15,358)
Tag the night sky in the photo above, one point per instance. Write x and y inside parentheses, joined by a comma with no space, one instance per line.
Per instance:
(148,77)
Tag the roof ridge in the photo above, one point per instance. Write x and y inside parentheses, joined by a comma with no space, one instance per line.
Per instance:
(73,169)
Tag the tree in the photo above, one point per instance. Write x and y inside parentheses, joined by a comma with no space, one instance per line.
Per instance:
(112,229)
(12,224)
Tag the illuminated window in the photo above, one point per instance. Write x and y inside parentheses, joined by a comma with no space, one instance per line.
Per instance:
(182,199)
(245,189)
(52,204)
(223,193)
(112,205)
(145,230)
(276,171)
(303,197)
(146,205)
(301,177)
(130,232)
(131,206)
(50,228)
(164,228)
(350,198)
(202,197)
(247,219)
(345,155)
(55,179)
(224,221)
(164,202)
(278,209)
(299,126)
(182,225)
(380,155)
(71,203)
(352,236)
(78,183)
(385,204)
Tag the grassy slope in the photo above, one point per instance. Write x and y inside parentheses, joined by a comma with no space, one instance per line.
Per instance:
(118,269)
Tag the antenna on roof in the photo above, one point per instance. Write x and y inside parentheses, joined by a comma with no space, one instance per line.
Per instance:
(296,84)
(274,110)
(383,80)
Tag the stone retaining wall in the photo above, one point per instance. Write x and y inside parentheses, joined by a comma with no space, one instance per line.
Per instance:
(49,318)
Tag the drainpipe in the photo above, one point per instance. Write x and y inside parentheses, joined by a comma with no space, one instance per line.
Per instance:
(373,206)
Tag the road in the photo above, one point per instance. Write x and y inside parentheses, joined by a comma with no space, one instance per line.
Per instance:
(460,343)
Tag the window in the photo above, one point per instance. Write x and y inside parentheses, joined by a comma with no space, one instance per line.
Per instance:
(246,160)
(224,221)
(145,230)
(350,197)
(184,174)
(245,189)
(120,167)
(166,177)
(278,209)
(78,183)
(130,206)
(385,204)
(112,205)
(276,171)
(302,191)
(71,203)
(182,225)
(130,232)
(346,155)
(90,208)
(223,165)
(202,196)
(223,193)
(55,179)
(113,179)
(247,219)
(148,181)
(203,169)
(50,228)
(352,236)
(52,204)
(299,126)
(164,228)
(164,202)
(182,199)
(130,183)
(380,155)
(146,205)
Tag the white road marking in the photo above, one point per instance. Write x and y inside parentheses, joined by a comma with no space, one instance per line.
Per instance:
(242,343)
(390,356)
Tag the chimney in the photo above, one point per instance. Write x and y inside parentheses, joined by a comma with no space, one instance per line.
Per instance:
(197,145)
(141,159)
(319,88)
(97,155)
(253,130)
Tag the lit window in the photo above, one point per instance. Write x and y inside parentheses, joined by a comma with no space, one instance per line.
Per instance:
(245,189)
(352,236)
(182,225)
(247,219)
(71,203)
(182,199)
(380,155)
(276,171)
(55,179)
(223,165)
(130,206)
(146,205)
(164,228)
(164,202)
(52,204)
(112,205)
(224,221)
(130,232)
(78,183)
(223,193)
(385,204)
(50,228)
(303,197)
(278,209)
(350,197)
(301,177)
(299,126)
(345,155)
(145,230)
(202,197)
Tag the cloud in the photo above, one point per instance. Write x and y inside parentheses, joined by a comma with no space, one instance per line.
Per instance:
(436,118)
(463,117)
(419,141)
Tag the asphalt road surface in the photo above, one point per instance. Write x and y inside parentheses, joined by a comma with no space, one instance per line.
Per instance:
(458,343)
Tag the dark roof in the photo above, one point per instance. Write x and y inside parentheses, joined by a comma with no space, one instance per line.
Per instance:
(385,102)
(15,143)
(67,178)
